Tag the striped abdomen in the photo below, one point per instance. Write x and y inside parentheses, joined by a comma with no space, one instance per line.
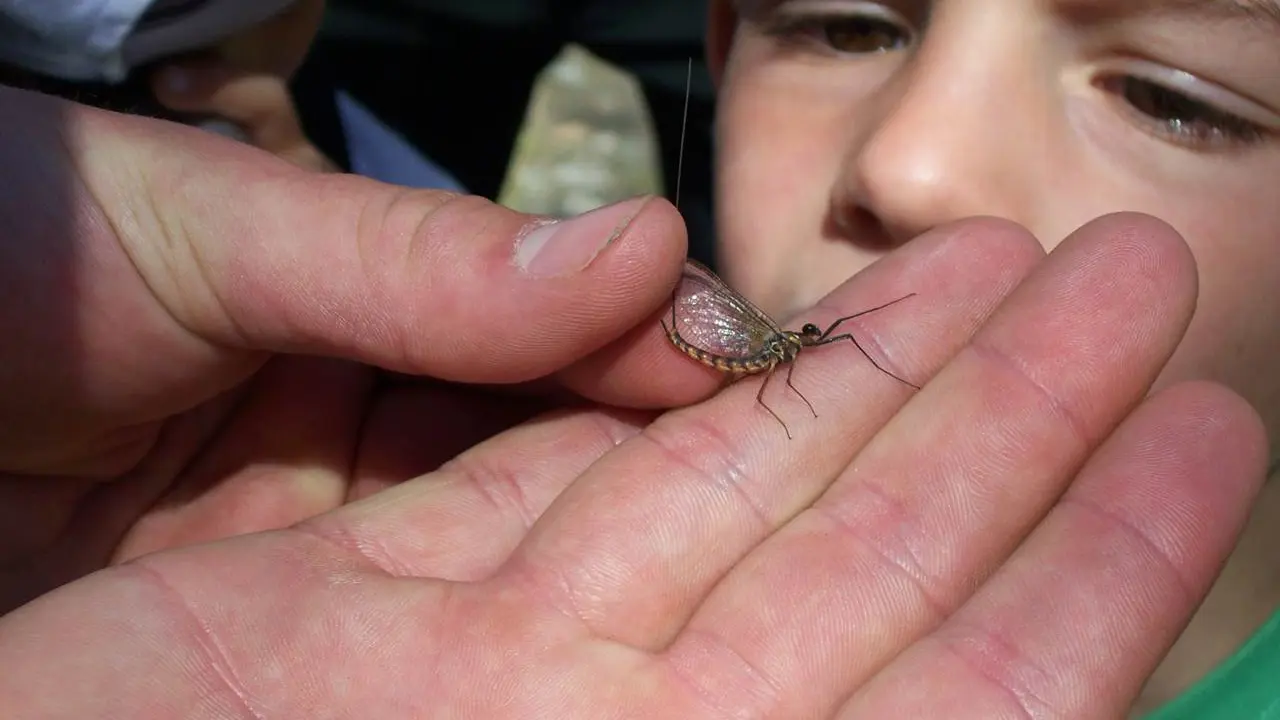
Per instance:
(737,366)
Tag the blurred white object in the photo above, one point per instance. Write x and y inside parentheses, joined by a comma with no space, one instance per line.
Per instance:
(226,128)
(100,40)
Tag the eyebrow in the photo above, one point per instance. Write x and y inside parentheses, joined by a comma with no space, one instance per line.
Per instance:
(1264,10)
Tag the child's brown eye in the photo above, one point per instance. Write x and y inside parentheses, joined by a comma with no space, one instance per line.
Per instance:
(1183,118)
(861,35)
(842,34)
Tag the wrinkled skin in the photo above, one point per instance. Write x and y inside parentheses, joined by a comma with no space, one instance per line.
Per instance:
(1026,535)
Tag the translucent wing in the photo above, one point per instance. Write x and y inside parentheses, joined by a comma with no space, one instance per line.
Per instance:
(713,317)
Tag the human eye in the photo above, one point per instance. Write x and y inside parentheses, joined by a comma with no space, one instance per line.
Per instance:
(844,28)
(1177,106)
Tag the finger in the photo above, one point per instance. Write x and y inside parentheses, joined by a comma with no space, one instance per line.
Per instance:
(455,287)
(84,521)
(218,252)
(1084,611)
(259,104)
(283,455)
(462,521)
(609,374)
(322,452)
(633,546)
(953,483)
(414,427)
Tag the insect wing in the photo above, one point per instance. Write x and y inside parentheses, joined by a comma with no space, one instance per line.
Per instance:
(712,316)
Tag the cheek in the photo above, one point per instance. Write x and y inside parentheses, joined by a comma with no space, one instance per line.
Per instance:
(1230,221)
(1234,337)
(778,157)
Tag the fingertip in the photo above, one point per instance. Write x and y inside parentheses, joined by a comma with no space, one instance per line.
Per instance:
(655,233)
(981,231)
(1151,250)
(1218,434)
(642,370)
(563,247)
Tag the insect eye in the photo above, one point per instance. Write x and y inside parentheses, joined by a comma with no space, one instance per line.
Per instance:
(810,329)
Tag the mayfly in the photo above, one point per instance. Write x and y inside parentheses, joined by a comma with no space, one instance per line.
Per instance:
(725,331)
(715,325)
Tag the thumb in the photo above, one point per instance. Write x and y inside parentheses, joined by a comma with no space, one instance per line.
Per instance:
(149,266)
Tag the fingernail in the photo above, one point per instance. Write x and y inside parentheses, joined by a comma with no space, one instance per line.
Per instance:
(563,247)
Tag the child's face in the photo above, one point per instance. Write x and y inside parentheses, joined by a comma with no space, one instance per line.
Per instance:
(847,128)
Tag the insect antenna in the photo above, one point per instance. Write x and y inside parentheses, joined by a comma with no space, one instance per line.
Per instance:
(684,127)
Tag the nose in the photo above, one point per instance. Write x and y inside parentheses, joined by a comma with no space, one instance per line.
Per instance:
(958,129)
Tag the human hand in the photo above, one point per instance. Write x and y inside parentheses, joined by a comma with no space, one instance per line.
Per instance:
(905,555)
(245,80)
(191,329)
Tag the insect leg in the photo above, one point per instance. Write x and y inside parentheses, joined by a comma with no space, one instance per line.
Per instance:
(790,369)
(867,355)
(760,399)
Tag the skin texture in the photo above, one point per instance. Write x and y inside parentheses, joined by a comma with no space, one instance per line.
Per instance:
(128,219)
(1025,536)
(831,155)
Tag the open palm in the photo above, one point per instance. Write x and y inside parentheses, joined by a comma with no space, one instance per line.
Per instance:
(905,555)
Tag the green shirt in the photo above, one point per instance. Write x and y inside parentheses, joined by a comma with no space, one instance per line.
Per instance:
(1244,687)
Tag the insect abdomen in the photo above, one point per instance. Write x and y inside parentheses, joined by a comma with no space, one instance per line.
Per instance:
(739,366)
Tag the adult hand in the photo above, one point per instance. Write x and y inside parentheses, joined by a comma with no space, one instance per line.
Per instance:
(905,555)
(190,327)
